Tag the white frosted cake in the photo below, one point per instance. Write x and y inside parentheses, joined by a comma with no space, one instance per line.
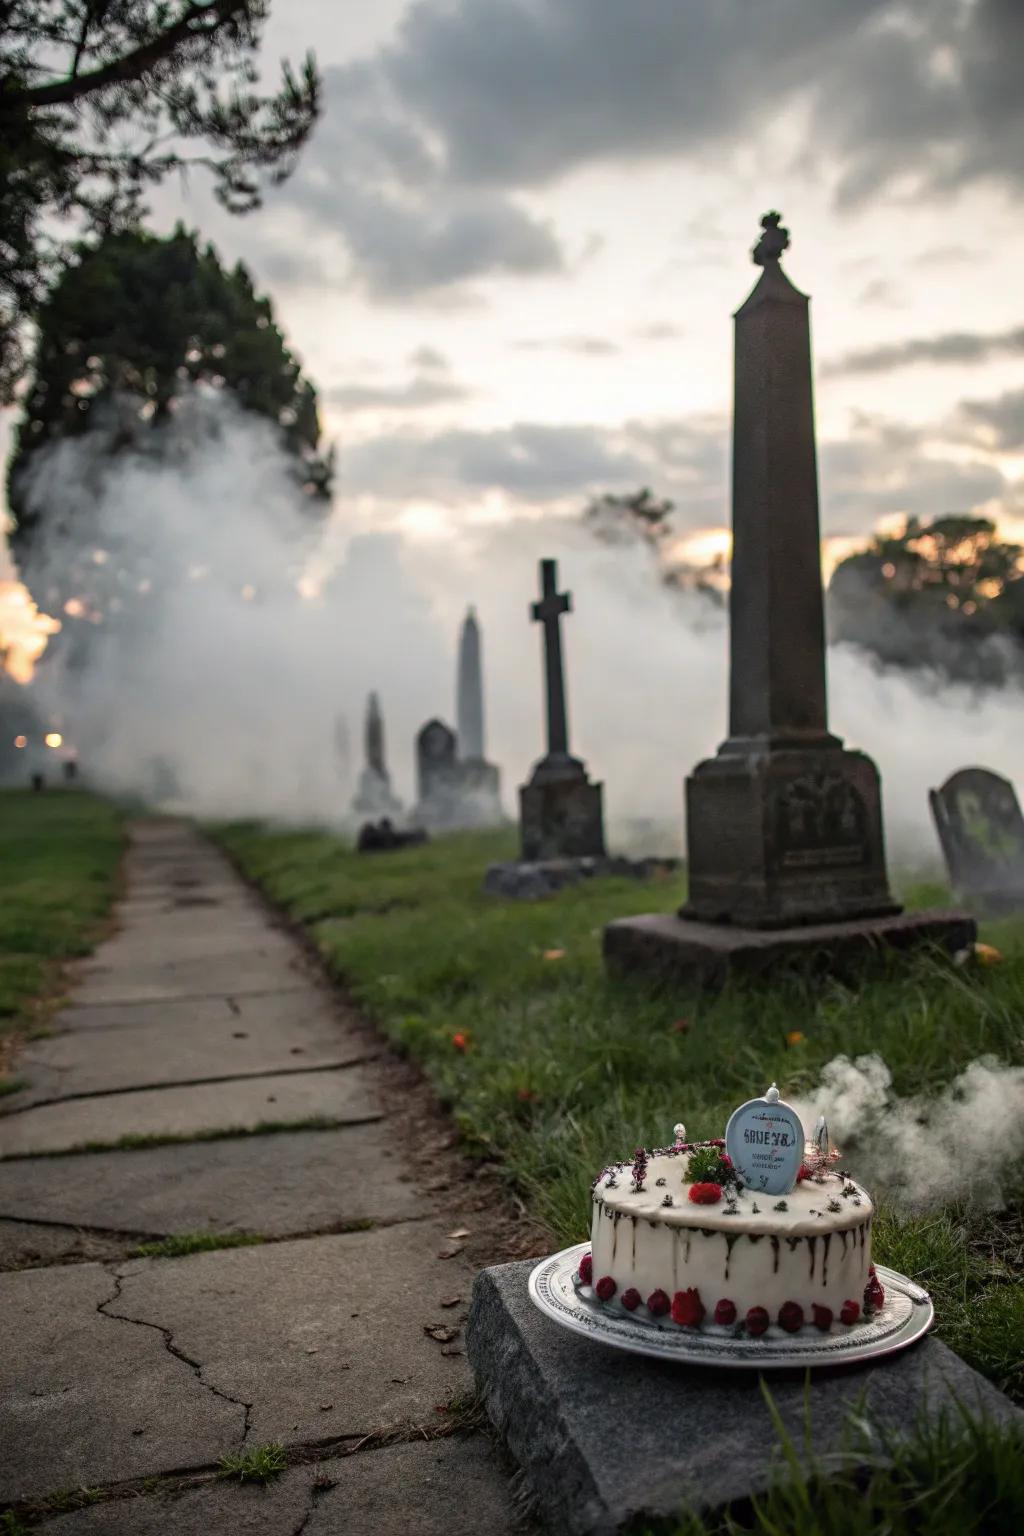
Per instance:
(677,1235)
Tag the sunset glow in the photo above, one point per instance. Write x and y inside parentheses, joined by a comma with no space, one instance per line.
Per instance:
(24,631)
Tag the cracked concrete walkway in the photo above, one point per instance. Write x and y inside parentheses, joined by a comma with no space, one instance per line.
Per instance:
(200,1024)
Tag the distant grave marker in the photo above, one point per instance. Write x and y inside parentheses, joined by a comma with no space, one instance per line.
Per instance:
(374,796)
(981,830)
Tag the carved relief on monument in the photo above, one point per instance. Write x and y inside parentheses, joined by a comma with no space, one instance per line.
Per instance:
(820,822)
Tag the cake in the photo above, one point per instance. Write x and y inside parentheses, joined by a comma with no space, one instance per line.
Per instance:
(679,1236)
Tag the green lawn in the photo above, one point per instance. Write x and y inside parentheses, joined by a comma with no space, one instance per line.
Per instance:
(552,1069)
(59,853)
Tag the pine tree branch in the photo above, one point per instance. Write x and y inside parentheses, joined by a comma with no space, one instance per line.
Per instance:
(199,21)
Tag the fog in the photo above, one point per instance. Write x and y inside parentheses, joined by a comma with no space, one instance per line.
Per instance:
(221,689)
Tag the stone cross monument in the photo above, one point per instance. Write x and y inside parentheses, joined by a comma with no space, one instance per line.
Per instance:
(374,796)
(560,810)
(784,825)
(469,703)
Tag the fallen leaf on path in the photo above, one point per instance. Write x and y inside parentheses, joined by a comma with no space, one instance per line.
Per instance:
(438,1331)
(451,1301)
(450,1251)
(450,1349)
(240,1034)
(400,1381)
(462,1232)
(326,1407)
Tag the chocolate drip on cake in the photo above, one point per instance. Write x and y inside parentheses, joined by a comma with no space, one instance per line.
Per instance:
(730,1238)
(826,1244)
(812,1244)
(775,1255)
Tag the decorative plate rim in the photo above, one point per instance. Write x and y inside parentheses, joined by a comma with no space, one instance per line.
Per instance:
(907,1315)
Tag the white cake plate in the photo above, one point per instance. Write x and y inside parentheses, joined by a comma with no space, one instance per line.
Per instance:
(906,1316)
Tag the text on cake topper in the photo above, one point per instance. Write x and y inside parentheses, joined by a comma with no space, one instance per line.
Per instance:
(765,1140)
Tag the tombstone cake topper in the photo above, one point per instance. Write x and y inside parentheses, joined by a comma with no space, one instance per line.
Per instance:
(765,1140)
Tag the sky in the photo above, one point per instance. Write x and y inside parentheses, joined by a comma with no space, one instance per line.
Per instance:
(510,253)
(509,257)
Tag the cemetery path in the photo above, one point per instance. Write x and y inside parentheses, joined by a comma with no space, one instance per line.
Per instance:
(204,1085)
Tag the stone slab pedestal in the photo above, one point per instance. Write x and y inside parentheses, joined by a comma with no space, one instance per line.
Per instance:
(706,954)
(525,881)
(604,1437)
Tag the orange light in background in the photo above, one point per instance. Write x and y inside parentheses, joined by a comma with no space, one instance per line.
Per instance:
(24,631)
(54,739)
(21,741)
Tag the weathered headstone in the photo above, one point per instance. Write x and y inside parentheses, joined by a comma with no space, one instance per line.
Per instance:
(981,830)
(436,777)
(560,809)
(784,825)
(374,796)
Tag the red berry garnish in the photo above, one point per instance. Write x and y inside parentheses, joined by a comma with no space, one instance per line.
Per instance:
(874,1295)
(725,1313)
(849,1312)
(791,1316)
(705,1194)
(805,1173)
(658,1303)
(606,1288)
(587,1268)
(757,1321)
(871,1269)
(822,1317)
(687,1308)
(631,1299)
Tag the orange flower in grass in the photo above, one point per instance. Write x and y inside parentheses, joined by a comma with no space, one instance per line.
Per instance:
(795,1037)
(460,1041)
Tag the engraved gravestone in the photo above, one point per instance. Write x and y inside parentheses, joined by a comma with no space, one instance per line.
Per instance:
(981,830)
(784,825)
(786,858)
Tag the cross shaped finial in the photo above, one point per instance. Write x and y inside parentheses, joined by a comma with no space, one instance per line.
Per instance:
(773,242)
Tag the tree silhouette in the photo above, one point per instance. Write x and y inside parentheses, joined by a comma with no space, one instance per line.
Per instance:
(99,99)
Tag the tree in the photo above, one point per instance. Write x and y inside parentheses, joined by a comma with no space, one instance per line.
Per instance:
(622,518)
(98,100)
(123,336)
(947,594)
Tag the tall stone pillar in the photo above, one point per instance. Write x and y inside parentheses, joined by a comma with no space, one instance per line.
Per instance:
(469,692)
(784,826)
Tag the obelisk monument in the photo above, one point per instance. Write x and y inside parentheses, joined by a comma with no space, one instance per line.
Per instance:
(374,795)
(784,824)
(469,692)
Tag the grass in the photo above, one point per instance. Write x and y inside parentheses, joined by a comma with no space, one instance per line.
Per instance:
(59,855)
(944,1478)
(551,1068)
(182,1243)
(260,1465)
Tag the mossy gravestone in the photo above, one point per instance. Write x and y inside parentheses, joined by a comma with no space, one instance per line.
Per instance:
(981,829)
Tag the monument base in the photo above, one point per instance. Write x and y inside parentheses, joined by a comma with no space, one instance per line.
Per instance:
(706,954)
(779,836)
(526,881)
(692,1435)
(561,818)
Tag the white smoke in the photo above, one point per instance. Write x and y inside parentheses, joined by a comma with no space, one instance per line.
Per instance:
(236,695)
(960,1144)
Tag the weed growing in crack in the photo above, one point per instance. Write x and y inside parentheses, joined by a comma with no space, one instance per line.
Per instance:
(11,1085)
(182,1243)
(260,1465)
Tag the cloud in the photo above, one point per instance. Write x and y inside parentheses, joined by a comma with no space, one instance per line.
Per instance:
(659,330)
(996,423)
(948,347)
(429,359)
(422,391)
(582,346)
